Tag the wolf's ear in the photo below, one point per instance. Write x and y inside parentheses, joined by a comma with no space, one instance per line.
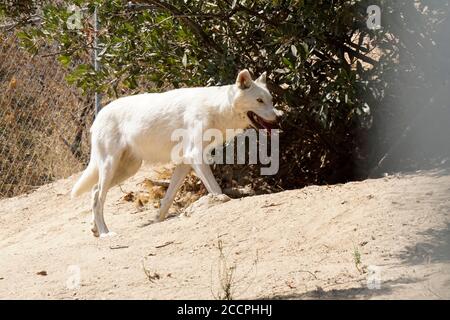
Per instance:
(244,79)
(262,78)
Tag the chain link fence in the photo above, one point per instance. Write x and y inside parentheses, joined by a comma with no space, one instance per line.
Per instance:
(44,122)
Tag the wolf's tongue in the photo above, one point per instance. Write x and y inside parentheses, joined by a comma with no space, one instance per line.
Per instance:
(268,128)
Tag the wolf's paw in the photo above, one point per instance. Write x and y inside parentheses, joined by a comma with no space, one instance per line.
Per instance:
(108,234)
(219,197)
(206,202)
(95,232)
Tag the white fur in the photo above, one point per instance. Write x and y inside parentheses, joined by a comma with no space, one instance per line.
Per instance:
(138,128)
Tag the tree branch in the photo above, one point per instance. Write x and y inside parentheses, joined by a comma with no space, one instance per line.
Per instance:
(195,28)
(358,55)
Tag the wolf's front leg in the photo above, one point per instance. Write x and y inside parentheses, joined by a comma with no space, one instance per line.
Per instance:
(203,171)
(215,195)
(205,174)
(176,181)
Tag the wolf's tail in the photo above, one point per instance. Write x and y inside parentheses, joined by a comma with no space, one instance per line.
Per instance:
(87,180)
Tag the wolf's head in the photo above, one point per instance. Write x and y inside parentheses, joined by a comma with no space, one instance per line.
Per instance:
(254,101)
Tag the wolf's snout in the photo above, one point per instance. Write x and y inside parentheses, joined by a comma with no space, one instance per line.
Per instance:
(260,122)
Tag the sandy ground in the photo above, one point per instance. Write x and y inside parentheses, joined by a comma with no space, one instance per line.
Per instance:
(387,238)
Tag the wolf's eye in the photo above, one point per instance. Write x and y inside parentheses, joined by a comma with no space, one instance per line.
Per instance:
(260,100)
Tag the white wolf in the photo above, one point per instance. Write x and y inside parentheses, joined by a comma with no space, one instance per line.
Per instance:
(138,128)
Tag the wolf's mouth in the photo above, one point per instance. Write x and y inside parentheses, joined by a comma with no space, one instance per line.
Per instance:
(260,123)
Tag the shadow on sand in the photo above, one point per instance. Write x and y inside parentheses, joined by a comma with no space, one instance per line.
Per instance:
(436,247)
(362,292)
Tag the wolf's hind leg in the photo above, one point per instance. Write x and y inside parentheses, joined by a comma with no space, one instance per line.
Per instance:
(94,228)
(127,167)
(106,174)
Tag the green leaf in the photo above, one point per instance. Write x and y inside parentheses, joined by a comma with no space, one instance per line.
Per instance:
(64,59)
(287,63)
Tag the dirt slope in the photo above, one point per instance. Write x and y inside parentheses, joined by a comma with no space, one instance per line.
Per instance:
(295,244)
